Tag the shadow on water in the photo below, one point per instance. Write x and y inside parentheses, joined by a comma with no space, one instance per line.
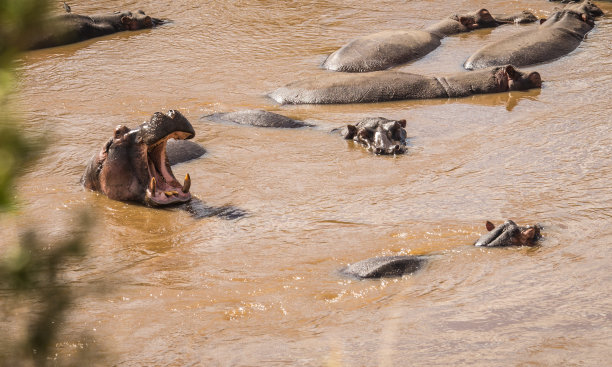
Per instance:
(199,210)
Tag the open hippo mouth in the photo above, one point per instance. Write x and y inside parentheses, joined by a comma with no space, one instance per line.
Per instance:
(133,165)
(509,234)
(163,188)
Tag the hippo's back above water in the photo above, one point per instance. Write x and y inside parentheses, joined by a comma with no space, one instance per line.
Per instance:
(259,118)
(556,37)
(382,50)
(385,266)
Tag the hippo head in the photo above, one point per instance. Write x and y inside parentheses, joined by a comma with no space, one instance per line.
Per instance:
(508,79)
(480,19)
(509,234)
(138,20)
(133,165)
(580,21)
(379,135)
(586,7)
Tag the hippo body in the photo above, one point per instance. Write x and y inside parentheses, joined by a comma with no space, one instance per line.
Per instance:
(377,134)
(385,266)
(70,28)
(390,48)
(179,151)
(259,118)
(557,36)
(380,86)
(134,166)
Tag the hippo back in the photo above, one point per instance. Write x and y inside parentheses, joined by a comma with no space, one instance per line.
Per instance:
(385,266)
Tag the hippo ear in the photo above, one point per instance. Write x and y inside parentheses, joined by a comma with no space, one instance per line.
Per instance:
(468,22)
(127,21)
(509,69)
(490,226)
(350,131)
(402,123)
(121,130)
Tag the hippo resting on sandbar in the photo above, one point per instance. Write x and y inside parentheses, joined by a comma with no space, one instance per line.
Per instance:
(134,165)
(259,118)
(380,86)
(560,34)
(508,234)
(377,134)
(386,49)
(70,28)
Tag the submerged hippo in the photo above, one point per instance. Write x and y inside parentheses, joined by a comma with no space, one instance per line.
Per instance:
(509,234)
(134,166)
(379,86)
(70,28)
(384,266)
(560,34)
(386,49)
(259,118)
(378,134)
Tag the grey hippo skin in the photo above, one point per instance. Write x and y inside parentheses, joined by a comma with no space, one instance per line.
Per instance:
(179,151)
(134,166)
(384,267)
(509,234)
(259,118)
(70,28)
(386,49)
(377,134)
(560,34)
(380,86)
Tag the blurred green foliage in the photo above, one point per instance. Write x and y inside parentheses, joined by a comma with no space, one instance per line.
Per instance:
(31,271)
(20,20)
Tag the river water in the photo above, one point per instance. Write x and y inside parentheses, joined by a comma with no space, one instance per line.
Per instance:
(264,289)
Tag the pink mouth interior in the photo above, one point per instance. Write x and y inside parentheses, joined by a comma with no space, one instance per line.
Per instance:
(168,189)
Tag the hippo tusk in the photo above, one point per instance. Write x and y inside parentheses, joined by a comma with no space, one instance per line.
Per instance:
(152,185)
(187,184)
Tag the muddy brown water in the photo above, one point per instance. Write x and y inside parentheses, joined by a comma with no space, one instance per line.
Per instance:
(264,289)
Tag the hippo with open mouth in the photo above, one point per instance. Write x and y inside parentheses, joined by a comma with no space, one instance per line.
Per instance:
(134,165)
(377,134)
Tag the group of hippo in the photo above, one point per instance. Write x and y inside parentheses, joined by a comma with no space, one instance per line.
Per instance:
(135,164)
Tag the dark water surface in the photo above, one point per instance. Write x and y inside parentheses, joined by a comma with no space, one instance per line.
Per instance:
(263,290)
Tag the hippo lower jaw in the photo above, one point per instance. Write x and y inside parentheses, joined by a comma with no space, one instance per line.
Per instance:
(164,188)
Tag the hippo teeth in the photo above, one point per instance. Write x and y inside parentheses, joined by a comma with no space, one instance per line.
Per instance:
(152,186)
(187,184)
